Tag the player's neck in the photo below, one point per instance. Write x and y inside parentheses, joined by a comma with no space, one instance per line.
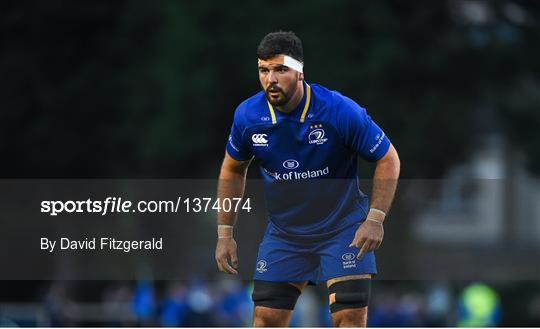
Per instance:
(295,100)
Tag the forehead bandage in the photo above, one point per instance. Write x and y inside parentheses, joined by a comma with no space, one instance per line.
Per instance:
(283,60)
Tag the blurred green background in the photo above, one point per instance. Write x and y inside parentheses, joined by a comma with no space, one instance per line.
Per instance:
(148,88)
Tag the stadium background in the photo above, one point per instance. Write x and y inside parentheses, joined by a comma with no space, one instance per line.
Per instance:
(136,89)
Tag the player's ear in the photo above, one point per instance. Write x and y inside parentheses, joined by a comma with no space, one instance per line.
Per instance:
(300,76)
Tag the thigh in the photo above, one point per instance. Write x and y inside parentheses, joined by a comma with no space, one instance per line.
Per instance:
(356,317)
(348,314)
(339,260)
(282,261)
(271,317)
(274,302)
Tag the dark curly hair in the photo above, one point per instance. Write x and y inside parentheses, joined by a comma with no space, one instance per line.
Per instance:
(281,43)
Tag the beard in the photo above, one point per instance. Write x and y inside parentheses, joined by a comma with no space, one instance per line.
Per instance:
(282,98)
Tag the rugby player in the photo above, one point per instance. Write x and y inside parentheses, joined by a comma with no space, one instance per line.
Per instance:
(321,227)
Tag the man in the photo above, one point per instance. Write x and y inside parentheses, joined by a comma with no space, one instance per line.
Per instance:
(307,140)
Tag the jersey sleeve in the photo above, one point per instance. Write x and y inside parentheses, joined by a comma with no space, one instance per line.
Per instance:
(236,147)
(360,133)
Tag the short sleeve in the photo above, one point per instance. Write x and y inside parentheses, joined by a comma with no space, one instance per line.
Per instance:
(360,133)
(236,147)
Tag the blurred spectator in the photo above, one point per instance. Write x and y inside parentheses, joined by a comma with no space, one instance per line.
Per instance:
(174,307)
(116,303)
(479,306)
(390,308)
(144,304)
(409,311)
(57,305)
(199,305)
(438,305)
(234,307)
(382,309)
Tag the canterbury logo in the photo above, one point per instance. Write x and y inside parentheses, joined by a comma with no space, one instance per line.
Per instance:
(259,139)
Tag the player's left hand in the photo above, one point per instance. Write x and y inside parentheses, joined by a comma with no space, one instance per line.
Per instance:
(368,237)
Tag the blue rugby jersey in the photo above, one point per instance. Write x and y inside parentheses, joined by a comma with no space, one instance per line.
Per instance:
(308,158)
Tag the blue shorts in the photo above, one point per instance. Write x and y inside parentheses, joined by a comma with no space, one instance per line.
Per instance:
(284,259)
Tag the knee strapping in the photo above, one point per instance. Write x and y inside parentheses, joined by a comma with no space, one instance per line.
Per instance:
(350,294)
(279,295)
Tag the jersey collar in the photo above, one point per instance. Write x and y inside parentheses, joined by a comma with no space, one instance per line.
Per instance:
(304,111)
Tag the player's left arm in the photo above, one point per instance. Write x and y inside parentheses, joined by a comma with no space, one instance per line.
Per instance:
(385,181)
(361,134)
(370,234)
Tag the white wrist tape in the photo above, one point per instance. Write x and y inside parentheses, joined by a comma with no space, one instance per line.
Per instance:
(377,211)
(374,220)
(376,215)
(224,231)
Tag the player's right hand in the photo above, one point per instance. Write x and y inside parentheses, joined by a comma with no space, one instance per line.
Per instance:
(226,258)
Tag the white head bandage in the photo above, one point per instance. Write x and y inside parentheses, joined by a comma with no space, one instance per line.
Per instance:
(284,60)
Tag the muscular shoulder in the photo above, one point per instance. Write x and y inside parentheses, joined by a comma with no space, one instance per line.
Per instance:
(334,107)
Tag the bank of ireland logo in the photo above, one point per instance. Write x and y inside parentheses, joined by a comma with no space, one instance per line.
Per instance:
(316,136)
(348,256)
(261,266)
(259,139)
(349,260)
(290,164)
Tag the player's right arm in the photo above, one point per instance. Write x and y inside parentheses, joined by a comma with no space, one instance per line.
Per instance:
(231,184)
